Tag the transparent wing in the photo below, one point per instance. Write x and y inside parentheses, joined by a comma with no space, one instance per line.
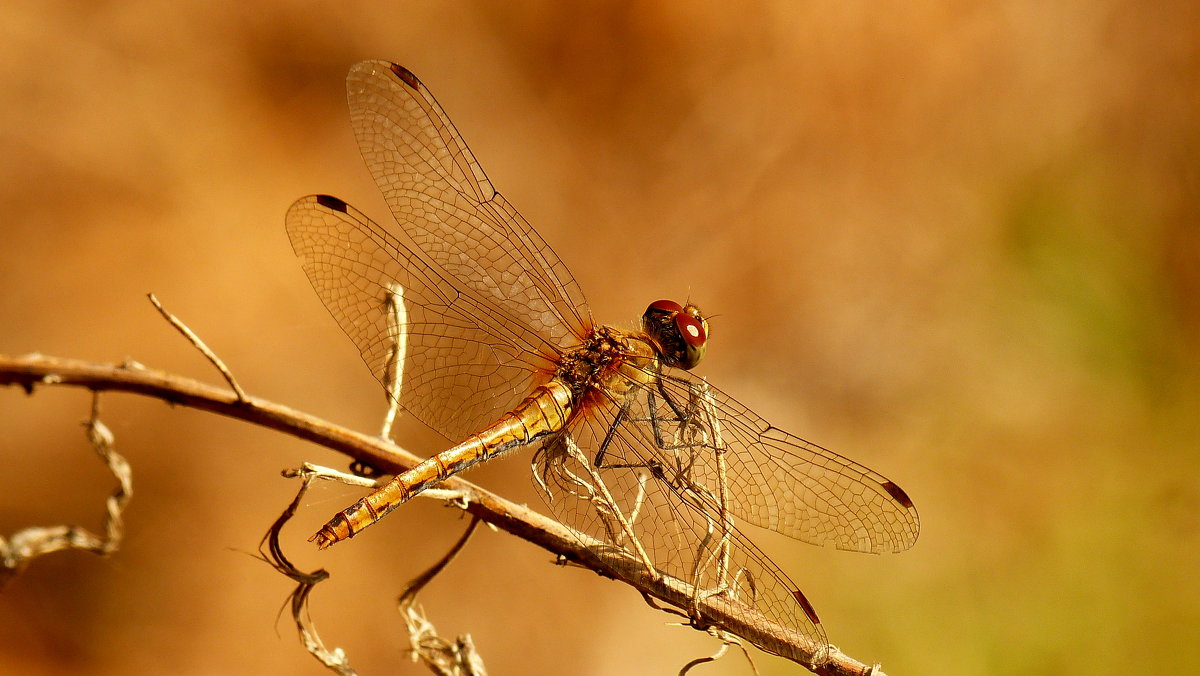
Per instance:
(658,519)
(465,364)
(670,474)
(486,304)
(774,479)
(449,211)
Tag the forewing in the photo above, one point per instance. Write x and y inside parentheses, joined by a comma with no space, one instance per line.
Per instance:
(487,305)
(451,214)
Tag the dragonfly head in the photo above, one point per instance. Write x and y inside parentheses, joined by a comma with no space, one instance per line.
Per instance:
(679,332)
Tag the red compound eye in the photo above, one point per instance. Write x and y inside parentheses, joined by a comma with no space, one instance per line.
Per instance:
(691,330)
(695,339)
(664,307)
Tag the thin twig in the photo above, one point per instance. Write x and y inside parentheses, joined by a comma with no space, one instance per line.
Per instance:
(442,656)
(726,640)
(335,659)
(199,345)
(397,315)
(409,596)
(25,545)
(104,444)
(32,371)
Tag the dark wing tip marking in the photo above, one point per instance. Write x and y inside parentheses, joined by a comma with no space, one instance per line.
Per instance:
(898,494)
(331,202)
(808,609)
(406,76)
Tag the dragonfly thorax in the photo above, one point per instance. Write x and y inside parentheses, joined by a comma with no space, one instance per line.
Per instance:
(608,360)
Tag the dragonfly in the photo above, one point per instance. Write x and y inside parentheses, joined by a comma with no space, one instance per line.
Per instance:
(477,329)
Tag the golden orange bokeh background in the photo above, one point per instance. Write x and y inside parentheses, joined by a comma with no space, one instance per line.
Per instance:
(959,243)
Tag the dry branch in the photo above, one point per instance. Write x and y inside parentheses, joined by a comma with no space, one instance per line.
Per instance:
(32,371)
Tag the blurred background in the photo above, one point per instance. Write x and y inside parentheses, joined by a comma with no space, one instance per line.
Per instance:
(957,243)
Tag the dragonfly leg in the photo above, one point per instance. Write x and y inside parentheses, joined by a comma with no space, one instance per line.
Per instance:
(612,431)
(683,421)
(621,417)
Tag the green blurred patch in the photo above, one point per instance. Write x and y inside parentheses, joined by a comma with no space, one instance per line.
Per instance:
(1088,254)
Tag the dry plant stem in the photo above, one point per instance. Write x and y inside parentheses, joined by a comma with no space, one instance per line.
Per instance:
(335,660)
(27,544)
(200,345)
(32,371)
(725,643)
(397,318)
(442,656)
(726,640)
